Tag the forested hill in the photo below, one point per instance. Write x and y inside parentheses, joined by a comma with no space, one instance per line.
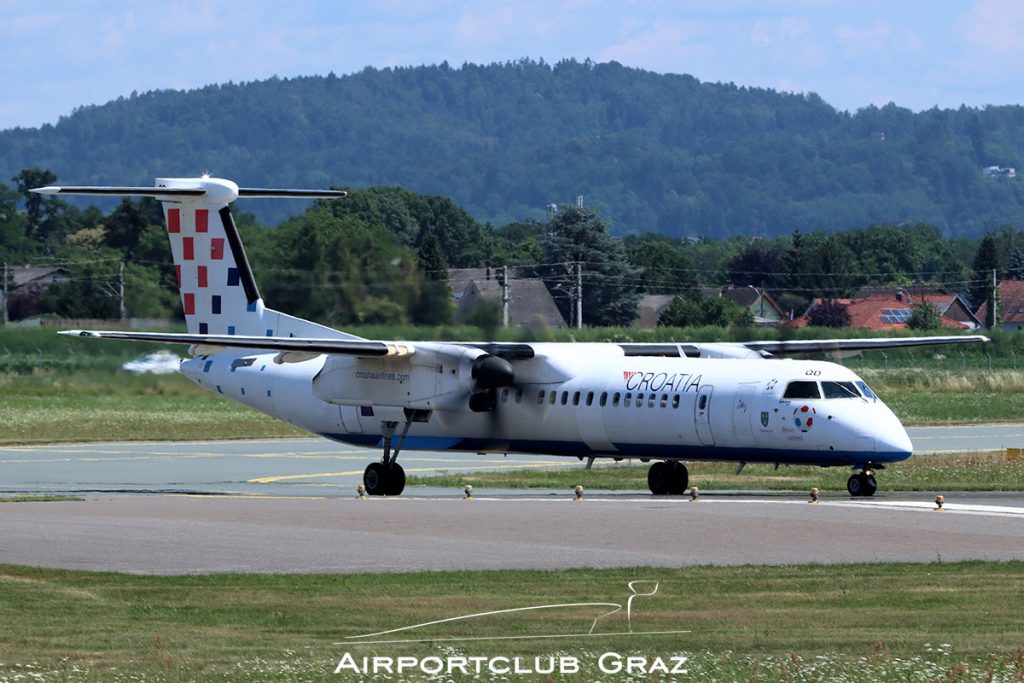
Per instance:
(653,152)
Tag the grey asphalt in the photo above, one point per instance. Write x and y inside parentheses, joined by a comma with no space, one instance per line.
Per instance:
(311,466)
(289,506)
(199,534)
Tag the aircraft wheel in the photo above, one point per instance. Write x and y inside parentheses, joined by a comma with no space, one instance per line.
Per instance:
(376,480)
(679,478)
(659,478)
(869,486)
(853,485)
(862,485)
(395,480)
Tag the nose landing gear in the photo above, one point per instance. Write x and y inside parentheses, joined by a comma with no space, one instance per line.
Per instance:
(668,478)
(862,485)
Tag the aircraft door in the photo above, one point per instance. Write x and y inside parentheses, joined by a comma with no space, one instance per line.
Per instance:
(744,412)
(702,415)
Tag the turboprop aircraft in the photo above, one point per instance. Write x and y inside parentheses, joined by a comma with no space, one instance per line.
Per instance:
(670,403)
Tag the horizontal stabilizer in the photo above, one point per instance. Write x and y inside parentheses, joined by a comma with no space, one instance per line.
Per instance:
(348,347)
(177,192)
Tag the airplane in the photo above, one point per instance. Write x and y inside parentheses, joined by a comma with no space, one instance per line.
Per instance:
(670,403)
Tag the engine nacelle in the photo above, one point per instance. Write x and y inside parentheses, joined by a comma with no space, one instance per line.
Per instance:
(430,379)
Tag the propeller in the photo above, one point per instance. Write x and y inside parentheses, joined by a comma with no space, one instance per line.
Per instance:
(489,374)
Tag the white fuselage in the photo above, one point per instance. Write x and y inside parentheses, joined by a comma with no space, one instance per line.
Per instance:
(577,400)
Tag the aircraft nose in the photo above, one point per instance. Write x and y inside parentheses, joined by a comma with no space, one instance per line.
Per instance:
(892,438)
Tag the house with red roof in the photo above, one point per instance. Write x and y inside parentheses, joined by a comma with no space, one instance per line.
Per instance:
(890,309)
(1010,308)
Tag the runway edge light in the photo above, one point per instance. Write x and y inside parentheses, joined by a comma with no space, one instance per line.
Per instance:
(579,494)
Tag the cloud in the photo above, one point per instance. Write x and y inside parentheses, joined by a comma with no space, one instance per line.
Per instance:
(768,32)
(995,28)
(666,45)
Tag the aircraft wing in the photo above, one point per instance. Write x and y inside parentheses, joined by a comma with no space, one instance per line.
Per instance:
(799,346)
(351,347)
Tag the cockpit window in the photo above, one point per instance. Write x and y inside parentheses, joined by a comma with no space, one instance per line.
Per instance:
(802,389)
(866,390)
(840,390)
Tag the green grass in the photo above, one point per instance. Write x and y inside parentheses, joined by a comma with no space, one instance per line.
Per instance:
(41,498)
(863,622)
(99,405)
(945,472)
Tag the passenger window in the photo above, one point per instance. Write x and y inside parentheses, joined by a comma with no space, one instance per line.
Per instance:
(802,389)
(540,397)
(576,398)
(519,395)
(675,400)
(626,399)
(604,398)
(839,390)
(703,403)
(664,400)
(554,395)
(504,395)
(615,400)
(565,397)
(590,398)
(651,400)
(639,400)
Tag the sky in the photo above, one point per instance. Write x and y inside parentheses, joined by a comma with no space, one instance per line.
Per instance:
(61,54)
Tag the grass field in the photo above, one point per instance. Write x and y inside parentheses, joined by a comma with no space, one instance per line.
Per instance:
(945,472)
(886,622)
(113,405)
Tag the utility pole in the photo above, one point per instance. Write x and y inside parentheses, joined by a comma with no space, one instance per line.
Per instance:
(3,317)
(506,299)
(120,291)
(579,295)
(994,299)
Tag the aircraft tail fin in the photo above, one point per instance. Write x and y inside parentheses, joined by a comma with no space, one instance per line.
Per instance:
(219,295)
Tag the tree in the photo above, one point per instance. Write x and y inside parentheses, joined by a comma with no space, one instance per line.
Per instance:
(986,260)
(41,211)
(579,236)
(124,228)
(924,316)
(695,309)
(829,313)
(1015,266)
(435,302)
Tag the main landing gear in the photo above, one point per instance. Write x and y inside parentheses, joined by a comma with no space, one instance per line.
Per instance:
(387,478)
(668,478)
(863,484)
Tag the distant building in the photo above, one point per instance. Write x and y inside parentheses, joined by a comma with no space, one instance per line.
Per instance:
(649,309)
(890,308)
(878,135)
(27,286)
(36,278)
(1011,306)
(999,172)
(759,302)
(530,303)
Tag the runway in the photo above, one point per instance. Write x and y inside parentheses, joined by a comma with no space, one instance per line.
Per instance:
(200,534)
(311,466)
(289,506)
